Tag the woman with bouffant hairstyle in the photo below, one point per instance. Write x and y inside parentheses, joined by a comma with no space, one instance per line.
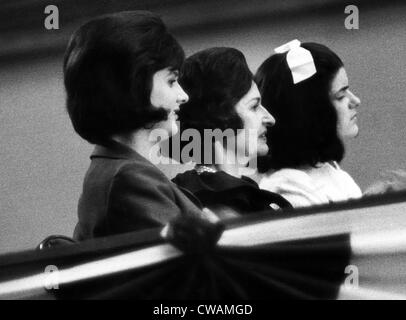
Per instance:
(108,73)
(224,98)
(121,79)
(305,87)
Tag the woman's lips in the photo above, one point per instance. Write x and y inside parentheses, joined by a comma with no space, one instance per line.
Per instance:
(262,136)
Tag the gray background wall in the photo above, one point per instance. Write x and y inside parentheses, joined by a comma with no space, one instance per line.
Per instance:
(43,161)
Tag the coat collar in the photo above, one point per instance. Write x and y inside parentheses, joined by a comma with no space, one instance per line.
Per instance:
(224,188)
(116,150)
(215,182)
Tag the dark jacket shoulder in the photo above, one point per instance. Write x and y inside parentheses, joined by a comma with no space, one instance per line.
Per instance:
(219,189)
(124,192)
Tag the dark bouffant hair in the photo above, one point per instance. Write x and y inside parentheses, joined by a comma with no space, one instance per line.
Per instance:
(108,69)
(305,132)
(215,79)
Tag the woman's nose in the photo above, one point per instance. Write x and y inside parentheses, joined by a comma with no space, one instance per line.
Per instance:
(183,96)
(355,101)
(267,119)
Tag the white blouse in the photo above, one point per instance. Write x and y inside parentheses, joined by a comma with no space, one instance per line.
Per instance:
(309,186)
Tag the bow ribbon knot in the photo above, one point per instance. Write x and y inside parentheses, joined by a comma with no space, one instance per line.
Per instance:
(299,59)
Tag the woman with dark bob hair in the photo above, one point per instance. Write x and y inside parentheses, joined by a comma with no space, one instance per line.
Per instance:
(225,110)
(305,87)
(121,79)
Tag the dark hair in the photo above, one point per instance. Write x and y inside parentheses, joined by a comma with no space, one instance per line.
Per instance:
(305,131)
(108,69)
(215,80)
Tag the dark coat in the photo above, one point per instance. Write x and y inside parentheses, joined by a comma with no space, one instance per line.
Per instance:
(124,192)
(220,191)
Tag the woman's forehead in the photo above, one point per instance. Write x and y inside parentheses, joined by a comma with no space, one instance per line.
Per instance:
(340,80)
(252,94)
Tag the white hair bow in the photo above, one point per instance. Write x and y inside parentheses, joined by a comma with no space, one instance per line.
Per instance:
(299,59)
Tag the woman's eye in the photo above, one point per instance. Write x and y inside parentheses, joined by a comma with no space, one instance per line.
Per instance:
(172,82)
(342,94)
(255,107)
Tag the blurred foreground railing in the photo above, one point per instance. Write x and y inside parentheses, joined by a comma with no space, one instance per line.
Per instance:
(354,250)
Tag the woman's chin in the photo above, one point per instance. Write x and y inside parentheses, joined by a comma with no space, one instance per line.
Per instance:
(262,150)
(354,133)
(349,134)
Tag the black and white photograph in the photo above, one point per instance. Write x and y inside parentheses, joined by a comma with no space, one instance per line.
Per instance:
(190,153)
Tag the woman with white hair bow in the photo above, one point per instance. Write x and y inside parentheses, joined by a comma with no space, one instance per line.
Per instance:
(306,88)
